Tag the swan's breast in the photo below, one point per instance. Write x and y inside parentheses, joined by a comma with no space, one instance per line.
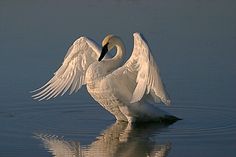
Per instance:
(104,93)
(94,72)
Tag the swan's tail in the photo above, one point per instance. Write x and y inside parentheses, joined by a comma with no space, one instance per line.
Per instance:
(169,119)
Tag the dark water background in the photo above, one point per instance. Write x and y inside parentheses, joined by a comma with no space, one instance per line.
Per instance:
(194,44)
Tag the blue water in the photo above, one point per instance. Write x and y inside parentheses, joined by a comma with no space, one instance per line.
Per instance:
(192,41)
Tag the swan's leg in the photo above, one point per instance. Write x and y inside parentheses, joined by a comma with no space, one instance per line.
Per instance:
(126,111)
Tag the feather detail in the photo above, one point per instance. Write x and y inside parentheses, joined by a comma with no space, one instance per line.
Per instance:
(71,74)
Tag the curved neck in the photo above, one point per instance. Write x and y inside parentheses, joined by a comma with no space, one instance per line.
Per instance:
(120,51)
(115,62)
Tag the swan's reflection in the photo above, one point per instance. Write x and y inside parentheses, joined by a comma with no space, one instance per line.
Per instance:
(121,139)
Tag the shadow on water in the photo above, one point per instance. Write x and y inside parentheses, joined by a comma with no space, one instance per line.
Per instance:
(120,139)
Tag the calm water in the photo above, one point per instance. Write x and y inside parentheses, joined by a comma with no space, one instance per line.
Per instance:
(194,44)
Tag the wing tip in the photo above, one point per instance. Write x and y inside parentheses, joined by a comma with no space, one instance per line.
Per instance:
(134,99)
(166,101)
(82,38)
(136,34)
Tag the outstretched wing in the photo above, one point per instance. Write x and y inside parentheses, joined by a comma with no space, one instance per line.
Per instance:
(143,73)
(71,74)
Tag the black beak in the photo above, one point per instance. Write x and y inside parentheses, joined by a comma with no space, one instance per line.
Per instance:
(103,53)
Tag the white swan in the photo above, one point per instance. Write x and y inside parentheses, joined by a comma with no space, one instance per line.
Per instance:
(128,91)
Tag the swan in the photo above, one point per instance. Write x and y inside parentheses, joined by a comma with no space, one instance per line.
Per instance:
(129,92)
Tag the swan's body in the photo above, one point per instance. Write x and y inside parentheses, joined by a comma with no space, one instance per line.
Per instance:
(125,91)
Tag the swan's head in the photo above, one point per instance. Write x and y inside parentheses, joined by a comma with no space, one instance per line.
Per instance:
(107,44)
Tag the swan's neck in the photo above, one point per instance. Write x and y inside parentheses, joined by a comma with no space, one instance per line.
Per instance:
(120,52)
(116,61)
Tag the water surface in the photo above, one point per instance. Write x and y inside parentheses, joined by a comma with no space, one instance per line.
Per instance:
(193,42)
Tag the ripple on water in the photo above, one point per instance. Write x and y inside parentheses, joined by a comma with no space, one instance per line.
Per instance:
(63,118)
(202,121)
(81,118)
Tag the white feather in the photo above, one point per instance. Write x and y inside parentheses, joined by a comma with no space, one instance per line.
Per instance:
(142,65)
(71,74)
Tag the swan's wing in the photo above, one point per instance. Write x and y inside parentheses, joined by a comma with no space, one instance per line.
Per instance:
(71,74)
(144,73)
